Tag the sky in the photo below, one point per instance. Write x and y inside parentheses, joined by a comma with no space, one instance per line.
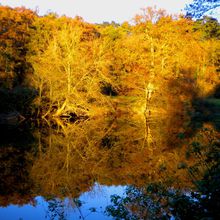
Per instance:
(98,11)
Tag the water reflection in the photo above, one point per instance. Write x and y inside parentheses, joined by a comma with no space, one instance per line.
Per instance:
(168,167)
(156,200)
(90,205)
(123,150)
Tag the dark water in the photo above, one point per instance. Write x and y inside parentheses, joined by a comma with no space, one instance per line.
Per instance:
(124,166)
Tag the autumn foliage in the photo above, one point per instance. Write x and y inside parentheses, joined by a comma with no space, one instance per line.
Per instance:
(118,102)
(87,69)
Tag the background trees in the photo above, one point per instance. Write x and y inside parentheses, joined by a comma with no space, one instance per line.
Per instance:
(15,30)
(84,69)
(15,26)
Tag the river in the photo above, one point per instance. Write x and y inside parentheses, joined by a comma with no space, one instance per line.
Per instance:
(124,166)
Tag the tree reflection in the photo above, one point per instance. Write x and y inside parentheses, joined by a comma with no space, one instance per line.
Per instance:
(157,201)
(123,149)
(169,169)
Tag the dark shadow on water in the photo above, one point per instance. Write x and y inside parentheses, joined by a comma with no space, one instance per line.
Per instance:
(216,93)
(207,110)
(15,147)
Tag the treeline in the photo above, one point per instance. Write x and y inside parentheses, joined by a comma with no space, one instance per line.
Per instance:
(61,66)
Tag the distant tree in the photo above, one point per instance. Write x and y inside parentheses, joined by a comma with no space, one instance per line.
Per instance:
(199,7)
(209,27)
(15,25)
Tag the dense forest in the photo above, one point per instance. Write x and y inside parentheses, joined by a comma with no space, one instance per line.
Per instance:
(133,103)
(57,66)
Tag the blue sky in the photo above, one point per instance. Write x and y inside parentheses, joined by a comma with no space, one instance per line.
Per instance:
(97,11)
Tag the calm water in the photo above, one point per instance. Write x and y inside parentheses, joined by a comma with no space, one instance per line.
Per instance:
(125,166)
(92,206)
